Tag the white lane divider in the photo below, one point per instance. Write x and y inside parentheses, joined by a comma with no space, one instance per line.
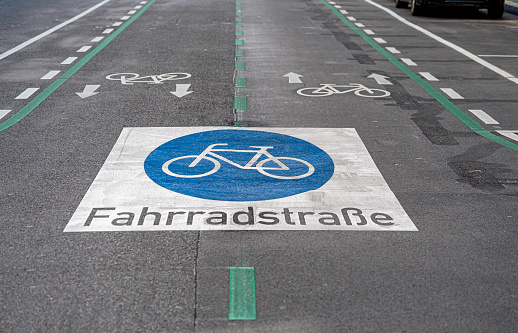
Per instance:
(452,93)
(408,62)
(511,134)
(131,12)
(116,24)
(487,119)
(84,49)
(143,2)
(369,32)
(69,60)
(380,41)
(351,18)
(338,6)
(428,76)
(359,25)
(108,31)
(50,75)
(392,50)
(343,11)
(27,93)
(125,18)
(3,113)
(96,39)
(138,7)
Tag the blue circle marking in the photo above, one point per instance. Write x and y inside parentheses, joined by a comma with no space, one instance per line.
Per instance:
(239,165)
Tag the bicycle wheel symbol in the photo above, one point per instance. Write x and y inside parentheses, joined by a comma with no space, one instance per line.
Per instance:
(297,167)
(198,168)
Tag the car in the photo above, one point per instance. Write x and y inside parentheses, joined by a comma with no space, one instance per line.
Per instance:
(495,8)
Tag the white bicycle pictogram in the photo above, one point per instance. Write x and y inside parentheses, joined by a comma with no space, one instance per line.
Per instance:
(131,78)
(328,89)
(210,154)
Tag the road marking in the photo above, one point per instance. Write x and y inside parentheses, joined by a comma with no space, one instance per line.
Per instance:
(343,11)
(513,135)
(369,32)
(380,40)
(445,42)
(293,77)
(498,56)
(131,12)
(409,62)
(350,18)
(89,91)
(182,90)
(428,76)
(514,79)
(97,39)
(69,60)
(143,2)
(393,50)
(359,25)
(27,93)
(239,42)
(84,49)
(116,24)
(239,33)
(487,119)
(125,18)
(332,3)
(239,66)
(338,6)
(452,93)
(108,31)
(240,82)
(48,32)
(138,7)
(242,299)
(380,79)
(240,103)
(240,53)
(50,75)
(3,113)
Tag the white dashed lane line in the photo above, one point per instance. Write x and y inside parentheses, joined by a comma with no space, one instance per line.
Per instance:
(69,60)
(487,119)
(380,40)
(108,31)
(452,93)
(50,75)
(3,113)
(393,50)
(96,39)
(116,24)
(408,62)
(428,76)
(369,32)
(84,49)
(27,93)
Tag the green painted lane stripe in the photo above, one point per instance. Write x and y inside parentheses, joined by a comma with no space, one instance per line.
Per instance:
(239,33)
(238,8)
(240,82)
(242,303)
(240,103)
(29,107)
(239,19)
(240,66)
(238,25)
(240,53)
(239,42)
(452,108)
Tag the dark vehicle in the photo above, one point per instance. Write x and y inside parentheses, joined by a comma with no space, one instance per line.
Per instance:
(495,8)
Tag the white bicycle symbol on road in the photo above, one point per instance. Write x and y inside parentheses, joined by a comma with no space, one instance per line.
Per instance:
(131,78)
(328,89)
(210,154)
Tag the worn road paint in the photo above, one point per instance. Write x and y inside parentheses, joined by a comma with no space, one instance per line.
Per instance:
(487,119)
(50,75)
(242,299)
(27,93)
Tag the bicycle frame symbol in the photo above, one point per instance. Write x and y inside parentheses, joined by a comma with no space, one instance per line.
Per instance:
(210,154)
(131,78)
(328,89)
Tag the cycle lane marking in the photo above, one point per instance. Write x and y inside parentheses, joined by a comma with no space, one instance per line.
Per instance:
(36,101)
(452,108)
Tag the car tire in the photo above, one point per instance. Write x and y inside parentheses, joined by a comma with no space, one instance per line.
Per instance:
(401,4)
(415,9)
(496,12)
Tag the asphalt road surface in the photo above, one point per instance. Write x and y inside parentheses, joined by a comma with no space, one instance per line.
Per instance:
(356,167)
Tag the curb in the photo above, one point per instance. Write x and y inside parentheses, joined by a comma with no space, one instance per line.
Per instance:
(511,8)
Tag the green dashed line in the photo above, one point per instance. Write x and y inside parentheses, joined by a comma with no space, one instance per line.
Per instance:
(239,42)
(240,82)
(240,103)
(240,53)
(238,8)
(239,33)
(240,66)
(452,108)
(238,26)
(239,19)
(242,300)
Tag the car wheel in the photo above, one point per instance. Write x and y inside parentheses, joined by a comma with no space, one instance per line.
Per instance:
(496,12)
(415,9)
(401,4)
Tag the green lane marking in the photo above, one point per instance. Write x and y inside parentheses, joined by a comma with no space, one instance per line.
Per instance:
(239,19)
(240,66)
(240,53)
(242,303)
(452,108)
(239,26)
(238,13)
(29,107)
(239,42)
(239,33)
(238,2)
(238,8)
(240,82)
(240,103)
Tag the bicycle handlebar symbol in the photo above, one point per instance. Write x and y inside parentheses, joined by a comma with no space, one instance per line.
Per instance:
(131,78)
(210,154)
(328,89)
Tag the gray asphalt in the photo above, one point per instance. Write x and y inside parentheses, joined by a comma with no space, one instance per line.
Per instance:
(456,274)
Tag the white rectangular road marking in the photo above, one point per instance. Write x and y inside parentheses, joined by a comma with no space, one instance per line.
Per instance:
(393,50)
(108,31)
(359,25)
(97,39)
(513,135)
(138,7)
(116,24)
(409,62)
(50,75)
(350,18)
(514,79)
(123,198)
(3,113)
(84,49)
(380,40)
(498,56)
(338,6)
(125,18)
(69,60)
(131,12)
(332,3)
(343,11)
(27,93)
(428,76)
(487,119)
(369,32)
(143,2)
(452,93)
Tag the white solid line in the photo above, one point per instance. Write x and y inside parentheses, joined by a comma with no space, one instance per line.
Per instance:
(443,41)
(48,32)
(131,12)
(359,25)
(107,31)
(498,55)
(515,80)
(124,18)
(428,76)
(27,93)
(138,7)
(97,39)
(84,48)
(452,93)
(380,40)
(392,50)
(343,11)
(351,18)
(513,135)
(116,24)
(338,6)
(369,32)
(69,60)
(50,75)
(409,62)
(3,113)
(487,119)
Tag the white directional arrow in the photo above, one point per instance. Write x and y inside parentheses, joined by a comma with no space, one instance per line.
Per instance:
(380,79)
(293,77)
(88,91)
(181,90)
